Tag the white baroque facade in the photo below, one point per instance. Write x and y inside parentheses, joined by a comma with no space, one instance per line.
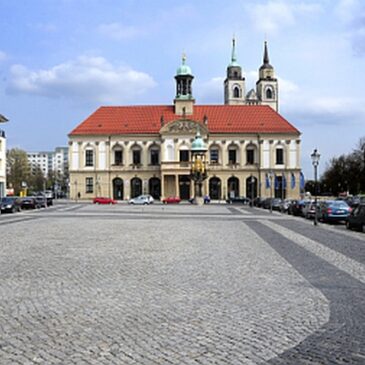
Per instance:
(125,151)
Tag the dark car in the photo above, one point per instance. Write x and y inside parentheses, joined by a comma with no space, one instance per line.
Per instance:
(238,200)
(273,203)
(257,202)
(41,201)
(333,210)
(356,220)
(10,204)
(296,207)
(29,202)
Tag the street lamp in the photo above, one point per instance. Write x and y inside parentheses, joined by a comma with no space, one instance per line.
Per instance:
(271,176)
(198,171)
(315,162)
(252,186)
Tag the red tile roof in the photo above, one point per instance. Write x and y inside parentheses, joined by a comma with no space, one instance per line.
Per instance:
(147,119)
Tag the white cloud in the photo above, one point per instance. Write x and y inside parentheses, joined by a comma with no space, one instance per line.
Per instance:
(118,31)
(210,91)
(345,9)
(87,79)
(272,16)
(3,56)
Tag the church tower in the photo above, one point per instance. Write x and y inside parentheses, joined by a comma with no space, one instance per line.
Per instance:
(267,85)
(234,84)
(184,101)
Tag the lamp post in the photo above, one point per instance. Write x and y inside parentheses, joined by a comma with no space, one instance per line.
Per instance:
(198,171)
(252,197)
(315,162)
(271,175)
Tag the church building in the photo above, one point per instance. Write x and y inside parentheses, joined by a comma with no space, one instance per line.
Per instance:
(124,151)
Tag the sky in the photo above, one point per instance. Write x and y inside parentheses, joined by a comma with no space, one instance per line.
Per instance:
(62,59)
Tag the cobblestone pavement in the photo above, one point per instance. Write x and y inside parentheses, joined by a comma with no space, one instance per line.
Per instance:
(84,284)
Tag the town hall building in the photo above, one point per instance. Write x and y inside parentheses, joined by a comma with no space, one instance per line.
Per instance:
(124,151)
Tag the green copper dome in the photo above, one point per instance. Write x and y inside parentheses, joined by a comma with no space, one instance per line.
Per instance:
(198,145)
(183,69)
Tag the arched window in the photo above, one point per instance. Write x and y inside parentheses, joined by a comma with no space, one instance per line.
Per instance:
(118,155)
(118,188)
(250,155)
(233,187)
(215,188)
(269,93)
(214,154)
(136,187)
(236,92)
(154,155)
(136,155)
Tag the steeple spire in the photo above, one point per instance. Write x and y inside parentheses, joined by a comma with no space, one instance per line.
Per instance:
(233,57)
(266,55)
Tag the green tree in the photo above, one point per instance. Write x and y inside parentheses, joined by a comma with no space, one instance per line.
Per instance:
(346,172)
(18,169)
(37,180)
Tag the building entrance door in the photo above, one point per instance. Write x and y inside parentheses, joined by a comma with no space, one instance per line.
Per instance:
(184,185)
(118,189)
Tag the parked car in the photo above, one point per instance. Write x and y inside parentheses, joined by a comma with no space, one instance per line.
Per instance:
(49,196)
(309,209)
(284,206)
(41,201)
(274,203)
(149,198)
(333,210)
(296,207)
(238,200)
(356,220)
(10,204)
(29,202)
(171,200)
(104,200)
(140,200)
(257,202)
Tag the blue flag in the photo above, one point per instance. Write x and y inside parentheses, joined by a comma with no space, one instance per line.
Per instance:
(267,181)
(283,181)
(301,181)
(276,184)
(292,182)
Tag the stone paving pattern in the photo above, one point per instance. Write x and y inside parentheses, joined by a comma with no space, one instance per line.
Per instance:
(173,285)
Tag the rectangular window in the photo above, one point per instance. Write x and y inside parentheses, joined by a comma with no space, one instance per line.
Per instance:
(89,185)
(232,158)
(184,156)
(136,157)
(89,158)
(118,157)
(250,157)
(279,156)
(214,156)
(155,157)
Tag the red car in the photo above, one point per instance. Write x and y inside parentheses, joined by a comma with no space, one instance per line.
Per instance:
(103,200)
(171,200)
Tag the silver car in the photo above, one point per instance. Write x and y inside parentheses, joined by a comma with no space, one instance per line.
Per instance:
(140,200)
